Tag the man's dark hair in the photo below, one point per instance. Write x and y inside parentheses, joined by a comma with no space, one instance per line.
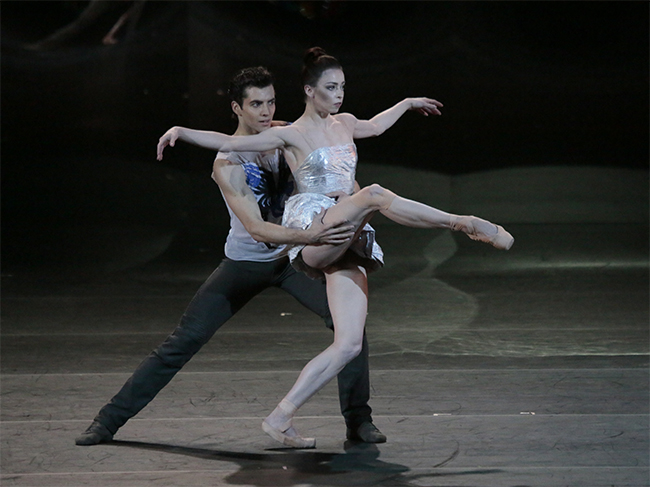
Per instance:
(259,77)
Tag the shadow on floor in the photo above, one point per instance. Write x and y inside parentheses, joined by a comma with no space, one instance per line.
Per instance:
(359,465)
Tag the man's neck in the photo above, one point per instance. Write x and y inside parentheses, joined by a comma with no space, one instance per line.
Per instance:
(244,130)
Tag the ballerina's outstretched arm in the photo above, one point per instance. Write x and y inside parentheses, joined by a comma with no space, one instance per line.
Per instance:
(381,122)
(273,138)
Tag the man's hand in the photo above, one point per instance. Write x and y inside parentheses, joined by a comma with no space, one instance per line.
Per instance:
(335,233)
(169,138)
(426,106)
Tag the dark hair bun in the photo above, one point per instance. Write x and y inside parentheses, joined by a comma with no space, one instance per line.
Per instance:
(316,61)
(312,55)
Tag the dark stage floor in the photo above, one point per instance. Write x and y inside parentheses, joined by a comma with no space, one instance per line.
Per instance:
(489,368)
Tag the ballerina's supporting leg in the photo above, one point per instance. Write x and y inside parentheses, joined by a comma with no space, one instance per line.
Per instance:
(347,294)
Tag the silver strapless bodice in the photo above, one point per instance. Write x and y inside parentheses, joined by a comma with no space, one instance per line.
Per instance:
(328,169)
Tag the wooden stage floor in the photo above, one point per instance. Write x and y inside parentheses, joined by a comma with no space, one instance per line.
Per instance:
(488,368)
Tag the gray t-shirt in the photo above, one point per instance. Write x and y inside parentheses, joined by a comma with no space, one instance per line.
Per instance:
(270,180)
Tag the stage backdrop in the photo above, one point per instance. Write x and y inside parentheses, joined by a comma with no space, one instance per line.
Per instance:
(523,83)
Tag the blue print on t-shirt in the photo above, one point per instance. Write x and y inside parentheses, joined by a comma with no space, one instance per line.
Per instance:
(271,194)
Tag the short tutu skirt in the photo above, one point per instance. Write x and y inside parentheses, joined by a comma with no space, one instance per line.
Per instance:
(299,212)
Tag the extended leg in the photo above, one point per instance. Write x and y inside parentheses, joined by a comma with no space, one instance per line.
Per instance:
(360,207)
(413,214)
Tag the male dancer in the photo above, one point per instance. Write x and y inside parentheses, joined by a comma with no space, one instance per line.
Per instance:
(254,187)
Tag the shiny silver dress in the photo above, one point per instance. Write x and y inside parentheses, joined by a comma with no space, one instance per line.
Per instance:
(324,171)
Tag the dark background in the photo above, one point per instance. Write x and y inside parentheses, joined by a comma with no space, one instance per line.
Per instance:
(523,83)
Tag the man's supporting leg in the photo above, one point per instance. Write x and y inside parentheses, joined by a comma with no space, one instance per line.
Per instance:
(229,288)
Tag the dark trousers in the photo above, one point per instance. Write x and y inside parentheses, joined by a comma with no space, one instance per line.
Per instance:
(226,291)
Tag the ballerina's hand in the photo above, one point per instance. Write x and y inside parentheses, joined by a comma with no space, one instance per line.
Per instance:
(338,195)
(168,139)
(426,106)
(334,233)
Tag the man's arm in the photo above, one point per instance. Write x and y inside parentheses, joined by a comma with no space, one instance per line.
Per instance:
(231,178)
(381,122)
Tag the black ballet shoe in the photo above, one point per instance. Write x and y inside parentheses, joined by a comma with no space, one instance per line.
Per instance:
(94,434)
(366,433)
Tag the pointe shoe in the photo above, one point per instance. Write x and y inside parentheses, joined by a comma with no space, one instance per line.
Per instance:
(290,441)
(501,240)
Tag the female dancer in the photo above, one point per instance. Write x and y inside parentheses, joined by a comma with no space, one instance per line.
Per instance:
(321,154)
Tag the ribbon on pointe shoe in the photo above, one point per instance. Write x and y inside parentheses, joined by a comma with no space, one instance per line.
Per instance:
(501,240)
(288,409)
(278,434)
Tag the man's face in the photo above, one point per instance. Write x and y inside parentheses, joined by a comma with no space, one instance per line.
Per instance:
(257,109)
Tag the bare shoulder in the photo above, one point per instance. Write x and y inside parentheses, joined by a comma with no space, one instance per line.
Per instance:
(221,162)
(228,175)
(223,165)
(295,142)
(346,119)
(289,134)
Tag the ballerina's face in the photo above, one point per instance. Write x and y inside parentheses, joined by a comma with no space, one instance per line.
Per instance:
(329,91)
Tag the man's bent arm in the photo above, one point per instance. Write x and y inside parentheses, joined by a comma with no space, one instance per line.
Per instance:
(231,178)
